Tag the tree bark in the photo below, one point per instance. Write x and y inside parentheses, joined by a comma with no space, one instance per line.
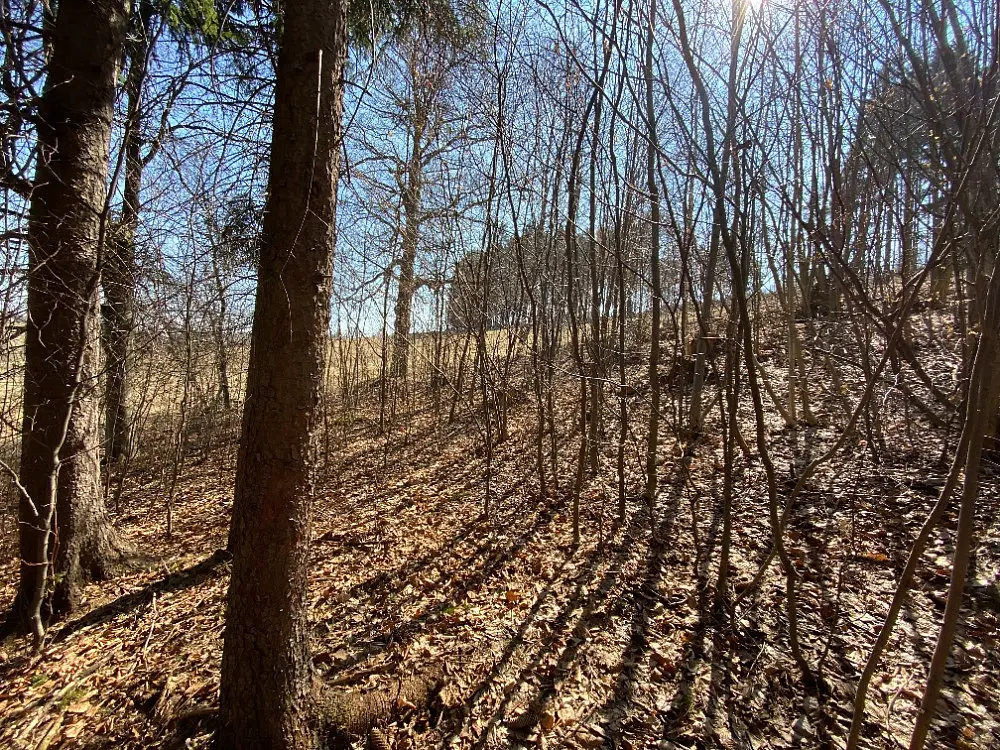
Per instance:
(265,696)
(119,272)
(411,189)
(221,344)
(652,436)
(59,469)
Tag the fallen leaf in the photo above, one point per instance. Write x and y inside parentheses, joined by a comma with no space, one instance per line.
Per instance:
(547,721)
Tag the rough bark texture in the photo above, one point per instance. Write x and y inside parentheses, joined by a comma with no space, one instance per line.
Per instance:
(266,696)
(59,467)
(118,313)
(404,300)
(119,272)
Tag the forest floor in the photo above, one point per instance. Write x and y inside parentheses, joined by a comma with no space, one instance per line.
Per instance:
(610,644)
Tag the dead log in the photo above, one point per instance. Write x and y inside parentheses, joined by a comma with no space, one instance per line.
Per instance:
(346,712)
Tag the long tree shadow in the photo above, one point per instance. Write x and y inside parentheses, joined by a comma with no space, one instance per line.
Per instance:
(182,579)
(720,672)
(585,607)
(615,711)
(584,599)
(389,582)
(474,570)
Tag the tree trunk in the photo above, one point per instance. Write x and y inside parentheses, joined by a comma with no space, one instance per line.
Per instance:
(652,436)
(265,697)
(980,408)
(596,339)
(118,313)
(59,469)
(411,236)
(404,305)
(119,272)
(221,345)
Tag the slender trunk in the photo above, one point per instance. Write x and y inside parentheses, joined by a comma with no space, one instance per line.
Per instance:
(411,189)
(536,379)
(119,272)
(572,268)
(572,283)
(792,249)
(383,378)
(652,438)
(729,406)
(620,235)
(221,350)
(180,434)
(980,405)
(460,378)
(704,328)
(487,385)
(596,340)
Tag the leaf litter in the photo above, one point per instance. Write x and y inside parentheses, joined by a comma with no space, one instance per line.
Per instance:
(541,644)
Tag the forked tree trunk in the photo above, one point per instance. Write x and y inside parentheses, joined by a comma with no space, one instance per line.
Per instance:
(60,470)
(265,698)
